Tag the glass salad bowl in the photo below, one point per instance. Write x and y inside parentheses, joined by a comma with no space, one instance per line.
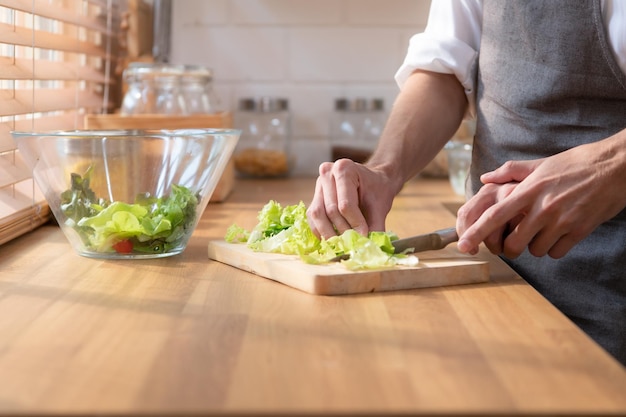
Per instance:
(127,194)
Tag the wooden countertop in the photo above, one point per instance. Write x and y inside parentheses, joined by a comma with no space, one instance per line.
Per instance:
(186,335)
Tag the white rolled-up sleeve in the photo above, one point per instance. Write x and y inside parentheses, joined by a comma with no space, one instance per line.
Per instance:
(449,44)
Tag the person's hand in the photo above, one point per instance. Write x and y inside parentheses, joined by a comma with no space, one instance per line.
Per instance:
(550,204)
(349,195)
(486,197)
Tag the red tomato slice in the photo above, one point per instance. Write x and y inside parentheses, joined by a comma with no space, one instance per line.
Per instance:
(123,246)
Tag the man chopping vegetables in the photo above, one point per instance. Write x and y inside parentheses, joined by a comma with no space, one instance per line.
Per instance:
(546,81)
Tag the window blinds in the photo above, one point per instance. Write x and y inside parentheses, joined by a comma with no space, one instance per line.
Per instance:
(56,58)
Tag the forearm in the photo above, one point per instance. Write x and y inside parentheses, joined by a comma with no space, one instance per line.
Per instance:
(424,117)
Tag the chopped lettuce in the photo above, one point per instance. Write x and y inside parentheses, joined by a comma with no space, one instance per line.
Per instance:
(283,230)
(236,234)
(286,230)
(149,225)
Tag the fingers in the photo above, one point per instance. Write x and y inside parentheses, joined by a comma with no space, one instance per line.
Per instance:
(472,211)
(511,171)
(331,203)
(510,225)
(374,212)
(542,243)
(484,218)
(335,206)
(492,220)
(519,238)
(319,222)
(545,242)
(556,238)
(346,213)
(494,242)
(564,245)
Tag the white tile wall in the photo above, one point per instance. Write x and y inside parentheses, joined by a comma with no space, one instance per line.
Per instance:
(310,51)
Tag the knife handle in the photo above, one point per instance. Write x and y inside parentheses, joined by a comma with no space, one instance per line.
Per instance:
(447,236)
(430,241)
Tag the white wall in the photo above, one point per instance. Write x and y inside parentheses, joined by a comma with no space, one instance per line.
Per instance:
(310,51)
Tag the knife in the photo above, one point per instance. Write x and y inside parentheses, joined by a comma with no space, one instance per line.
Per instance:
(438,239)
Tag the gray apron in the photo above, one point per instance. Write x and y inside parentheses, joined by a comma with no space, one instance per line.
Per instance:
(548,81)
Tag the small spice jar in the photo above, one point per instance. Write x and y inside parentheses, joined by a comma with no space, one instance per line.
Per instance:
(263,149)
(356,126)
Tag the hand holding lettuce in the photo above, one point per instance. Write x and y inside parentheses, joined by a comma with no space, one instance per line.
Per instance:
(286,230)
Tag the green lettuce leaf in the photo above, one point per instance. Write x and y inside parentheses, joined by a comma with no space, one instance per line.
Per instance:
(283,230)
(236,234)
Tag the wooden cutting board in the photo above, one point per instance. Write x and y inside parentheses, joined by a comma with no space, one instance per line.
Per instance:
(436,268)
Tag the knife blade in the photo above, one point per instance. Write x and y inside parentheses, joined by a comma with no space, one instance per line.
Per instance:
(438,239)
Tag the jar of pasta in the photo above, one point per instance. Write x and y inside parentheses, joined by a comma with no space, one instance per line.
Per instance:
(263,149)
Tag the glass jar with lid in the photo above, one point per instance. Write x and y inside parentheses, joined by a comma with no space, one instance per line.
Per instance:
(135,99)
(153,88)
(197,90)
(263,149)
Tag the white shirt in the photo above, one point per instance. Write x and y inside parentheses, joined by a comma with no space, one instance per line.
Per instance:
(451,41)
